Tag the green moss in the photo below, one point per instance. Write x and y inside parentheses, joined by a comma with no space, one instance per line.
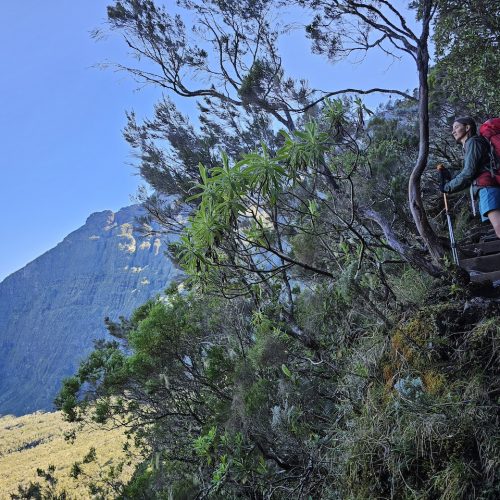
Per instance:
(434,382)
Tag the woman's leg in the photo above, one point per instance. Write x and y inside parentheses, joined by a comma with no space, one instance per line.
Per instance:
(489,207)
(494,216)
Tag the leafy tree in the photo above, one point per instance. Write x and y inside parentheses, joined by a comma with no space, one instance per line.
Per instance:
(381,25)
(234,378)
(226,403)
(309,354)
(234,48)
(467,36)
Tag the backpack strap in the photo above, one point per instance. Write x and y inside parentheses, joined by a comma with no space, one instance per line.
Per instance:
(494,160)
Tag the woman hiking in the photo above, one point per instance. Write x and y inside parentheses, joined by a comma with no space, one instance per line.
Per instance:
(476,171)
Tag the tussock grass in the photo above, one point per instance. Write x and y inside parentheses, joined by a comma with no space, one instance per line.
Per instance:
(37,441)
(429,424)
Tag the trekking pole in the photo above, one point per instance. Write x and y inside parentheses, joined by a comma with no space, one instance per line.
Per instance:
(472,201)
(454,252)
(453,243)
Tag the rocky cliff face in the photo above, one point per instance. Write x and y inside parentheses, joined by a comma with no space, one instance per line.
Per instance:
(53,308)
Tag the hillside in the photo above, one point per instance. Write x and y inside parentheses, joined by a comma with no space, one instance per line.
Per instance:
(37,441)
(337,332)
(53,308)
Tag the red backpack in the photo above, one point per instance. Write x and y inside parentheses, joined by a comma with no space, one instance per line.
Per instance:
(490,130)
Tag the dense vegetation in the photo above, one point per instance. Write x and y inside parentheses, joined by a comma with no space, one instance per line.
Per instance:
(322,345)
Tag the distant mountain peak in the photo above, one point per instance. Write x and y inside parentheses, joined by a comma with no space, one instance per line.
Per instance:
(52,309)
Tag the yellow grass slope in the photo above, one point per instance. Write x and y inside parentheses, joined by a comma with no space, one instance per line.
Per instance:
(37,441)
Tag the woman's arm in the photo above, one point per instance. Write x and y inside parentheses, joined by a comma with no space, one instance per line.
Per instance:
(472,164)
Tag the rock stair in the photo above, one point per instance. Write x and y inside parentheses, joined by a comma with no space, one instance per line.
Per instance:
(482,260)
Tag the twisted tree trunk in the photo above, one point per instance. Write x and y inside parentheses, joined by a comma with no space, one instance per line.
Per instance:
(431,241)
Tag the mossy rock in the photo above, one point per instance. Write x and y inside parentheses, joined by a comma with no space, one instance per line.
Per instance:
(414,342)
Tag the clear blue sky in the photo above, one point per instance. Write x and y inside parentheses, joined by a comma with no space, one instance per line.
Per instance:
(62,154)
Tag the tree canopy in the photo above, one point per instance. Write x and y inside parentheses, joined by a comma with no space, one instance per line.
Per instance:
(322,344)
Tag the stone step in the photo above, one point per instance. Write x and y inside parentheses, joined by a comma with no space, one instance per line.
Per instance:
(485,263)
(478,277)
(480,233)
(488,238)
(486,248)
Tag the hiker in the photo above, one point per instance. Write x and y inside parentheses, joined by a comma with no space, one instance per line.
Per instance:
(476,162)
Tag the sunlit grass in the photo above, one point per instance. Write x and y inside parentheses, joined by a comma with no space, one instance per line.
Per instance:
(37,441)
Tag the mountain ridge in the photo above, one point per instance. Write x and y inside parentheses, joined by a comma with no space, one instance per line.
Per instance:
(53,308)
